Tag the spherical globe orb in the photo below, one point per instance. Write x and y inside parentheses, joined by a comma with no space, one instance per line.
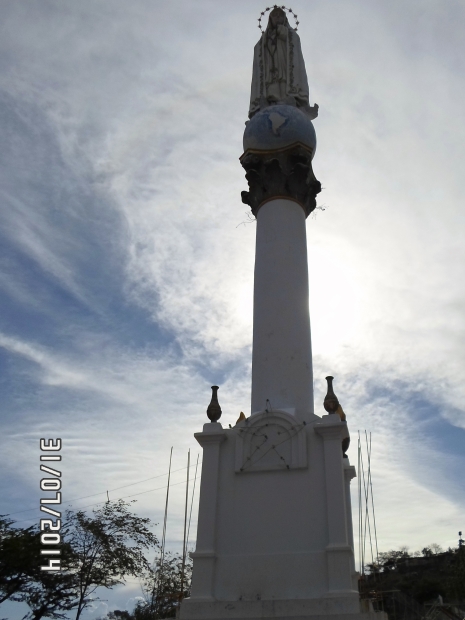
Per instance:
(277,127)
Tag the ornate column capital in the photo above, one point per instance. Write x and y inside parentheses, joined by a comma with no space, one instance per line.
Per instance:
(285,173)
(212,433)
(331,427)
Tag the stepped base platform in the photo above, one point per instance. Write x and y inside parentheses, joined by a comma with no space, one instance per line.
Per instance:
(341,607)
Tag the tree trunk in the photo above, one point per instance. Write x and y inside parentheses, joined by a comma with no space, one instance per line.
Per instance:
(80,609)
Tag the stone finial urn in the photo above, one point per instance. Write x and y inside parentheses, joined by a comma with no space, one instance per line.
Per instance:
(330,402)
(214,409)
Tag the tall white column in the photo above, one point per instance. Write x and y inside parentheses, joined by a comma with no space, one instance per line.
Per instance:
(281,358)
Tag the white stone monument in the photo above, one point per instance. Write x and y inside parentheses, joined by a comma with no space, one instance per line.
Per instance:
(275,536)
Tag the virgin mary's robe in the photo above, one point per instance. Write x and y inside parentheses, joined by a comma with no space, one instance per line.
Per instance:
(278,74)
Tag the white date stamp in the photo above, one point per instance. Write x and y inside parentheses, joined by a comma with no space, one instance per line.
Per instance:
(50,537)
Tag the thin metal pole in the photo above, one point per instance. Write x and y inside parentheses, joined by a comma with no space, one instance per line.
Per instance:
(185,524)
(166,511)
(367,514)
(364,522)
(367,497)
(158,577)
(373,510)
(359,467)
(192,501)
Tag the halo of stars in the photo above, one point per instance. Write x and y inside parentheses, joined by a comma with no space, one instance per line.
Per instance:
(275,6)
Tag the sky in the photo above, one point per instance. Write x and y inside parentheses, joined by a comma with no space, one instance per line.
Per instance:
(127,257)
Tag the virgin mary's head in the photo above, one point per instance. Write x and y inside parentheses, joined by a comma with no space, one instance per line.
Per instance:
(277,17)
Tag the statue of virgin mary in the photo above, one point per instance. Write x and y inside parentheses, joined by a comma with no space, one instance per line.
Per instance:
(278,74)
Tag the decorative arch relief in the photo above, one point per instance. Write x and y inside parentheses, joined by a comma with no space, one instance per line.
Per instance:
(270,441)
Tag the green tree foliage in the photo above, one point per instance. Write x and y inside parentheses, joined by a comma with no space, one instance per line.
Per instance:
(391,560)
(50,596)
(164,586)
(107,546)
(422,575)
(99,550)
(21,578)
(19,559)
(456,580)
